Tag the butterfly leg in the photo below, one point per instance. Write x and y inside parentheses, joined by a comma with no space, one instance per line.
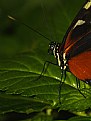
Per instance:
(63,77)
(78,87)
(45,67)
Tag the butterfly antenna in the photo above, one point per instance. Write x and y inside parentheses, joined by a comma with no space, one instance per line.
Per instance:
(10,17)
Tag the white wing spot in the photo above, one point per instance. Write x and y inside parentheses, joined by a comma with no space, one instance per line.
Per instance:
(87,6)
(79,22)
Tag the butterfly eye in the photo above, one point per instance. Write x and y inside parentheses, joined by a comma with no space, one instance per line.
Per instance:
(52,46)
(50,50)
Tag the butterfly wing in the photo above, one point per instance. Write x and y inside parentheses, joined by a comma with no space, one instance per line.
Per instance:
(80,26)
(77,47)
(80,65)
(80,58)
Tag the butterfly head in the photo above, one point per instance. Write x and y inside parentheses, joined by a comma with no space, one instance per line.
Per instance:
(53,48)
(56,50)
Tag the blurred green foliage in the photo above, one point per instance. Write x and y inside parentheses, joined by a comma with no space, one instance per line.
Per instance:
(51,18)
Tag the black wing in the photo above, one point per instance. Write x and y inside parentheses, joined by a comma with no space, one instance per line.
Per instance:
(78,36)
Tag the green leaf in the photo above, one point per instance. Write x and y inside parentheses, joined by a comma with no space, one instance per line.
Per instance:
(22,90)
(78,118)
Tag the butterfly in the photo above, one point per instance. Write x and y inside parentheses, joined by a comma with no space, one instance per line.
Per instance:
(74,54)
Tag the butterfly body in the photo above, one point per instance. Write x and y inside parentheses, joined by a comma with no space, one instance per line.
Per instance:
(75,51)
